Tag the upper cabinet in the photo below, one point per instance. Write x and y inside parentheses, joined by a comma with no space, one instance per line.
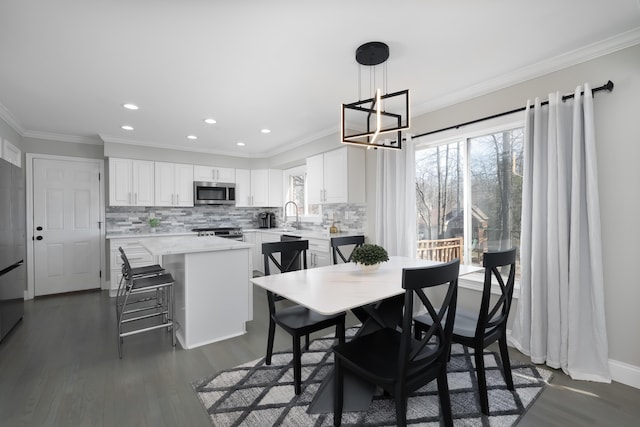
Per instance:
(173,184)
(213,174)
(131,182)
(258,188)
(337,176)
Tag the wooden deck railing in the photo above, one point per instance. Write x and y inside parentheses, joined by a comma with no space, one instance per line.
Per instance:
(443,250)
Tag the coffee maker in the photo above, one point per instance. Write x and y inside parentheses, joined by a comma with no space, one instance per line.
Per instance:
(267,220)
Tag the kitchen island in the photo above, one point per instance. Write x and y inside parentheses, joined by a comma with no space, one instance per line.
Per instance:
(213,295)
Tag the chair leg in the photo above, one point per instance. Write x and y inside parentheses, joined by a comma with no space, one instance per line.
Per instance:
(340,333)
(445,398)
(401,408)
(482,380)
(338,382)
(506,364)
(306,342)
(272,332)
(172,311)
(297,365)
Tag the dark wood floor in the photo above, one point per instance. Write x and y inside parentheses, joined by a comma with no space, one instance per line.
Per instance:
(60,367)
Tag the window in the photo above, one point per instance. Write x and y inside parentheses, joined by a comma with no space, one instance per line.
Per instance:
(296,191)
(469,194)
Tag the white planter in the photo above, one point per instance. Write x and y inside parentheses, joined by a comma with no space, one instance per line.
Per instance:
(368,268)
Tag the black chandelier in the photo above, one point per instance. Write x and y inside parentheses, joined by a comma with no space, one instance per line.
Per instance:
(379,120)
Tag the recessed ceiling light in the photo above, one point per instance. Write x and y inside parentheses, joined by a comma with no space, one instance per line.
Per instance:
(240,144)
(210,121)
(130,106)
(127,127)
(265,131)
(192,137)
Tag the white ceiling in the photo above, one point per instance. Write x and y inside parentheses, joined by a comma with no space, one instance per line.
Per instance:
(67,66)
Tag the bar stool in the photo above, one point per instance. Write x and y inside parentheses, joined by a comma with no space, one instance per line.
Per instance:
(135,273)
(155,288)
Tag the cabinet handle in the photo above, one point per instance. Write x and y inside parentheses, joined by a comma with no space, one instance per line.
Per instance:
(177,199)
(135,198)
(130,199)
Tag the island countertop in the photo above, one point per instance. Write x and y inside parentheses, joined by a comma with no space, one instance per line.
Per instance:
(172,245)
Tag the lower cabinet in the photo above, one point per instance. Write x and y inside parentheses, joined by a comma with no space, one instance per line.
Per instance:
(136,254)
(319,253)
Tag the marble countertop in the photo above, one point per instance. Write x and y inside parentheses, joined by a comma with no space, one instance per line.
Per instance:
(141,235)
(172,245)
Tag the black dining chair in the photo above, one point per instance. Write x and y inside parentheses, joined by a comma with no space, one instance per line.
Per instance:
(478,329)
(338,245)
(393,359)
(296,320)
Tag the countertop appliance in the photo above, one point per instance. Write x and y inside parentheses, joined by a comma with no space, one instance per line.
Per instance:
(13,275)
(234,233)
(267,220)
(214,193)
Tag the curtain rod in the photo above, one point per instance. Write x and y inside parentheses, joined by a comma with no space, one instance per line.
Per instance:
(607,86)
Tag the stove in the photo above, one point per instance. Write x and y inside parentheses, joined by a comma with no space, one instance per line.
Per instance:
(233,233)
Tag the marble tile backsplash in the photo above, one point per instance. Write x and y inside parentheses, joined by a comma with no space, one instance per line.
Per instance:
(134,219)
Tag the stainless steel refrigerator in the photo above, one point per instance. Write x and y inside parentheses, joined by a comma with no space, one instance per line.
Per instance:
(13,241)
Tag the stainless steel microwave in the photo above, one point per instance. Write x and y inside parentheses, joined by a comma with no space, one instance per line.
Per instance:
(214,193)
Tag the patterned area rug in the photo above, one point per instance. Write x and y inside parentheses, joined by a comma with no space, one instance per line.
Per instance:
(255,394)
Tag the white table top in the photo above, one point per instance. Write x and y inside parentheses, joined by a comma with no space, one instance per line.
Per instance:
(172,245)
(335,288)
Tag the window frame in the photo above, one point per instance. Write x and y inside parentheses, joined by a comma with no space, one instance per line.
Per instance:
(298,170)
(465,134)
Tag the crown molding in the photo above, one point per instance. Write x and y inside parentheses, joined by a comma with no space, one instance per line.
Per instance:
(556,63)
(50,136)
(6,115)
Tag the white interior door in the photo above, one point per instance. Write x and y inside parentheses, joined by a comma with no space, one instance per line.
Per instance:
(66,215)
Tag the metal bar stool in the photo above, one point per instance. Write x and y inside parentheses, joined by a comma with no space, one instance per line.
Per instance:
(161,307)
(135,273)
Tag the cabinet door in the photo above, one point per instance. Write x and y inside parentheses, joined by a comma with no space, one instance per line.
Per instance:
(243,187)
(275,188)
(260,187)
(165,180)
(142,172)
(315,179)
(335,176)
(203,173)
(120,182)
(183,185)
(225,175)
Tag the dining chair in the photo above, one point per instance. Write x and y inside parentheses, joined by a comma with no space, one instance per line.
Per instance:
(393,359)
(296,320)
(341,242)
(478,329)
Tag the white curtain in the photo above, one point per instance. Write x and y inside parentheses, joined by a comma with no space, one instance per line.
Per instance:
(560,318)
(395,226)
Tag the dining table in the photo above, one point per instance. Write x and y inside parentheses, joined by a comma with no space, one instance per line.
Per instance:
(375,297)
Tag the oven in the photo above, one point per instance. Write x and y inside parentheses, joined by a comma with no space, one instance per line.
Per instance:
(214,193)
(233,233)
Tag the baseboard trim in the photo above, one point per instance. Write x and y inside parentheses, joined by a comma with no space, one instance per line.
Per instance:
(625,373)
(621,372)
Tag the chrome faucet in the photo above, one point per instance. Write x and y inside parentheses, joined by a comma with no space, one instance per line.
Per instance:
(284,214)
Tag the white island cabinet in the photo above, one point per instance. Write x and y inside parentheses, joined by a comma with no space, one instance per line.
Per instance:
(213,295)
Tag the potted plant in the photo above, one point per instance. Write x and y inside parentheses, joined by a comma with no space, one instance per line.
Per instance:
(368,256)
(153,223)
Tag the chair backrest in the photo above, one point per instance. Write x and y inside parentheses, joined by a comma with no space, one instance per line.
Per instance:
(337,242)
(436,342)
(126,267)
(494,315)
(296,250)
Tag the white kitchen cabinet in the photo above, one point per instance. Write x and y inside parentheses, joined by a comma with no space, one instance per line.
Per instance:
(131,182)
(213,174)
(319,254)
(255,238)
(337,176)
(173,184)
(137,255)
(258,188)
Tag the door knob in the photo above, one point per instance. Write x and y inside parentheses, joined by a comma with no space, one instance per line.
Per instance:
(39,228)
(38,237)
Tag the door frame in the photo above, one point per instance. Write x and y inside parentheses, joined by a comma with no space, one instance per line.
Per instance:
(30,157)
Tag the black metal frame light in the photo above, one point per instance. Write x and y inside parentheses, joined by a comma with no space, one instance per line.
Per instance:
(370,113)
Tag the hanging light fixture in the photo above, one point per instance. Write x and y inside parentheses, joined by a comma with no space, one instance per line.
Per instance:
(377,121)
